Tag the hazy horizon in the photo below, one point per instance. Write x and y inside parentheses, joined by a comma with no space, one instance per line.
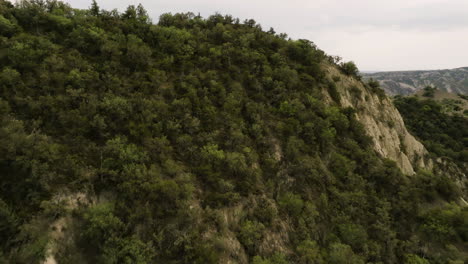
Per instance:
(376,35)
(376,71)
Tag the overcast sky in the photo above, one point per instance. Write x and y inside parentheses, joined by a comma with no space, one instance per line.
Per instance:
(376,34)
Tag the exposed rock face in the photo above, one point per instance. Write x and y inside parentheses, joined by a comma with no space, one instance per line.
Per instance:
(235,252)
(59,226)
(408,82)
(382,122)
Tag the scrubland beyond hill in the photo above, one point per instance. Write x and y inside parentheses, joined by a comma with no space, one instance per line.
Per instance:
(409,82)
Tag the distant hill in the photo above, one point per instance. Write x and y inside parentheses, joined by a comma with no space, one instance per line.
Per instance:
(408,82)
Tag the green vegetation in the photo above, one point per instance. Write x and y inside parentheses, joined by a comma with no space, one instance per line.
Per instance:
(443,134)
(350,68)
(170,128)
(429,91)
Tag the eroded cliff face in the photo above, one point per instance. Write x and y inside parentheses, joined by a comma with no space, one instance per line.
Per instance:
(382,122)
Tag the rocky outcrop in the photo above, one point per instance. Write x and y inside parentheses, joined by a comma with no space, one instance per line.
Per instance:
(382,122)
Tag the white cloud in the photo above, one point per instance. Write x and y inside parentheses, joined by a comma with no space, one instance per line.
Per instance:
(393,49)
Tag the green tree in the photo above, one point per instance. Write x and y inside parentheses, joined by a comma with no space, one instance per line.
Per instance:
(343,254)
(95,9)
(250,234)
(414,259)
(350,68)
(309,252)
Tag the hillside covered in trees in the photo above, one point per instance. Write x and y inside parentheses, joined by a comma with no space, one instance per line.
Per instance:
(199,140)
(444,134)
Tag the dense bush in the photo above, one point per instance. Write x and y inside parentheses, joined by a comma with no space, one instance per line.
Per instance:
(350,68)
(443,134)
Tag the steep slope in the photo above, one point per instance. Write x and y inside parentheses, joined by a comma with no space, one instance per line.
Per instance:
(442,130)
(203,141)
(382,122)
(408,82)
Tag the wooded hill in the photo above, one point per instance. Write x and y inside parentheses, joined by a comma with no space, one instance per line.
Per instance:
(199,140)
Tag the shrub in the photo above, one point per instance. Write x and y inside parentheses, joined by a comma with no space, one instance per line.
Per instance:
(414,259)
(343,254)
(250,234)
(429,91)
(350,69)
(291,203)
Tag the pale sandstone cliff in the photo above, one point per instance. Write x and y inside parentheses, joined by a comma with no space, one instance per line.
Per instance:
(382,122)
